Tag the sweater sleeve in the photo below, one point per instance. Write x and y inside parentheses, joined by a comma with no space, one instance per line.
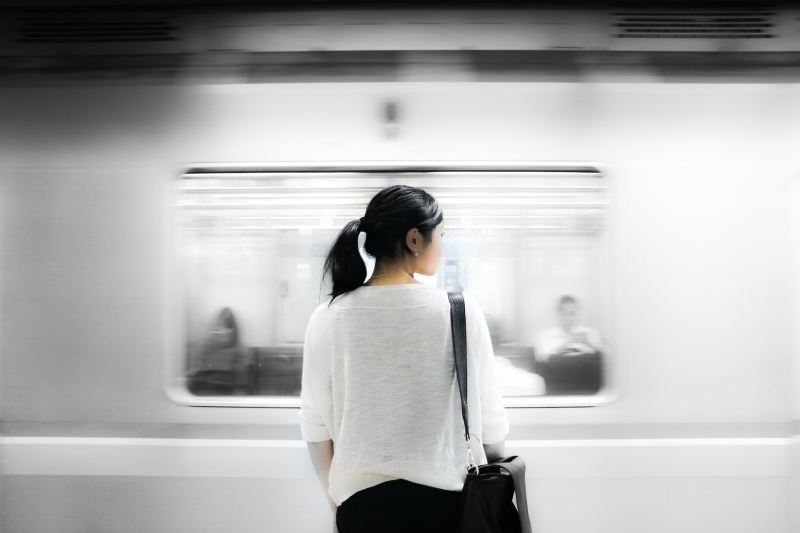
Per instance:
(312,425)
(493,413)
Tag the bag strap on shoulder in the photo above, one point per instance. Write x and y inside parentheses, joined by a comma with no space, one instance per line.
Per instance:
(458,325)
(514,465)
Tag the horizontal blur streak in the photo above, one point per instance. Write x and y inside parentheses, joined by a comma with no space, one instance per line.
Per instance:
(309,67)
(201,44)
(254,443)
(605,458)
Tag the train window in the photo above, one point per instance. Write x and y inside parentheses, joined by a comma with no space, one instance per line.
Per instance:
(529,242)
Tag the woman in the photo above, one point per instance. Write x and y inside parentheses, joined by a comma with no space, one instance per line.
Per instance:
(379,382)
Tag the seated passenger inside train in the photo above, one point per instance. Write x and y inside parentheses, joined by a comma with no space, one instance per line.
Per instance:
(221,368)
(570,357)
(568,338)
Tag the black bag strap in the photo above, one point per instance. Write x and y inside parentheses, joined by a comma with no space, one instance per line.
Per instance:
(514,465)
(458,325)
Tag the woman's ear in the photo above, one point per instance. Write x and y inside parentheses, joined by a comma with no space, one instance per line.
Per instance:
(412,239)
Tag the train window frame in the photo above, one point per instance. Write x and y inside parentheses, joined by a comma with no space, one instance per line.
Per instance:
(173,369)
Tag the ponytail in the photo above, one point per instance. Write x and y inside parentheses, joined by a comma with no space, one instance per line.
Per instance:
(390,215)
(344,263)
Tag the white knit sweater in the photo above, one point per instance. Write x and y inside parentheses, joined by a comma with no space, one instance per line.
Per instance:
(379,379)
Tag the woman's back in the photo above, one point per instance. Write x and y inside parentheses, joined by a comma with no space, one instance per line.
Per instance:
(379,379)
(380,400)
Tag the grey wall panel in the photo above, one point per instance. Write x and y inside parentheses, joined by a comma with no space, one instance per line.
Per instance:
(700,176)
(66,504)
(44,504)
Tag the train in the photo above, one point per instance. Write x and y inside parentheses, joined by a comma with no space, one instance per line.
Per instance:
(169,172)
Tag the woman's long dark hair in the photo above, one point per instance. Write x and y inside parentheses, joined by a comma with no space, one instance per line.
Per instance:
(390,215)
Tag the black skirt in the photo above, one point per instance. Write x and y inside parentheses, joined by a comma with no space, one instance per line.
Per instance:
(399,505)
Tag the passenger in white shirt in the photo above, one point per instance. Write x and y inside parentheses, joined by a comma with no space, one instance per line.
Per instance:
(379,383)
(568,338)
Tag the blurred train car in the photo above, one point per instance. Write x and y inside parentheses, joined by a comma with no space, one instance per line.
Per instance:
(161,165)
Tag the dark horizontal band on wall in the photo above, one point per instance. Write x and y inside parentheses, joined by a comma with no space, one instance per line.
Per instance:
(349,66)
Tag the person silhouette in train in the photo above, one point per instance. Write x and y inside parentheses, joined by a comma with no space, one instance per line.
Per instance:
(568,338)
(222,369)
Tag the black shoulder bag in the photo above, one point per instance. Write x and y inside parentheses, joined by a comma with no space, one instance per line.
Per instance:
(486,505)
